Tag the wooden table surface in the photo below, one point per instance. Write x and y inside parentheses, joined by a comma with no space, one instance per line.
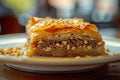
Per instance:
(106,72)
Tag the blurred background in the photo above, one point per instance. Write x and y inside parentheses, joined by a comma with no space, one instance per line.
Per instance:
(14,14)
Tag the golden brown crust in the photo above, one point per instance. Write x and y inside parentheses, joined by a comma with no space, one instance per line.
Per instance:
(53,24)
(46,36)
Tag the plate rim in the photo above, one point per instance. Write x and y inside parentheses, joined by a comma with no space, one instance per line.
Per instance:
(55,61)
(35,61)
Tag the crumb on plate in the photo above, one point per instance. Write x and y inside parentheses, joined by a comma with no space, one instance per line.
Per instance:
(12,51)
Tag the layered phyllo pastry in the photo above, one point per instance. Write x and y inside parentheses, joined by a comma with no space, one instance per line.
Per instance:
(63,38)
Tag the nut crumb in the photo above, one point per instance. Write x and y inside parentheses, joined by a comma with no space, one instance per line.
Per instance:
(99,43)
(73,48)
(64,42)
(13,51)
(85,41)
(1,51)
(68,47)
(57,44)
(77,57)
(40,41)
(116,54)
(89,47)
(47,49)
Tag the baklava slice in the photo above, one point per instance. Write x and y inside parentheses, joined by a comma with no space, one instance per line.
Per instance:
(63,38)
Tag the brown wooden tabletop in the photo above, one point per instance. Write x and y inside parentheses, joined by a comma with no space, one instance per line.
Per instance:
(106,72)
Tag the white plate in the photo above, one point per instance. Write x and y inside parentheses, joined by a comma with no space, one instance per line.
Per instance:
(55,64)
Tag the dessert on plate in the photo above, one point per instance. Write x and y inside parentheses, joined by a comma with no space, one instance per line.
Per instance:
(63,38)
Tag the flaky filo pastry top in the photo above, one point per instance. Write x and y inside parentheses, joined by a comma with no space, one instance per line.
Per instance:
(52,26)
